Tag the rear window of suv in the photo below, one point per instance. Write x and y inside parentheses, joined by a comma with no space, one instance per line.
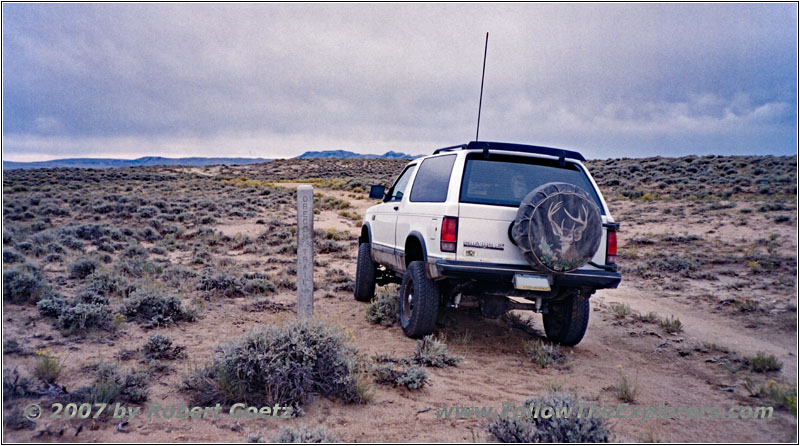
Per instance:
(504,180)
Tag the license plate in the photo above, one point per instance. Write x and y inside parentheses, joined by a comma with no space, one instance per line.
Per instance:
(531,282)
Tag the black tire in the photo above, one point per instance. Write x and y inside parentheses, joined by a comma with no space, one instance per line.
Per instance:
(419,301)
(566,321)
(365,274)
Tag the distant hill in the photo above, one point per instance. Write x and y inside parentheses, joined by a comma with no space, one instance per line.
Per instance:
(102,163)
(347,154)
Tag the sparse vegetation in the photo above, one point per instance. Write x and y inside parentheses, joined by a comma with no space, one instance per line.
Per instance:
(153,307)
(762,363)
(432,352)
(544,353)
(262,367)
(48,366)
(554,429)
(671,324)
(626,388)
(385,307)
(160,347)
(155,246)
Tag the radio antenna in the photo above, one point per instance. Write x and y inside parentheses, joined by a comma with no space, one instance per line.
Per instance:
(483,74)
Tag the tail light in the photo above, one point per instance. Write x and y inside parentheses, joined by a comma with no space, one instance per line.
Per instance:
(611,248)
(449,234)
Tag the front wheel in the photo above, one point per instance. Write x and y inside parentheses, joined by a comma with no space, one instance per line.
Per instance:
(566,321)
(365,274)
(420,301)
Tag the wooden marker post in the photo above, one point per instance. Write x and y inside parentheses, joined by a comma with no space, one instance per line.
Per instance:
(305,252)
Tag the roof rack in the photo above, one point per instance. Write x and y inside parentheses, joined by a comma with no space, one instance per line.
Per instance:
(511,147)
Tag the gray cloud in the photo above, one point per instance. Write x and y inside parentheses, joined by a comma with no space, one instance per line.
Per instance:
(277,79)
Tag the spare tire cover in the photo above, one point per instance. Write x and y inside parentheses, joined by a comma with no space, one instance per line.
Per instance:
(558,227)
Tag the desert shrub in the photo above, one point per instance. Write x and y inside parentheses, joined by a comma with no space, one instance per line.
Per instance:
(137,267)
(48,366)
(432,352)
(176,275)
(762,363)
(671,324)
(82,268)
(23,284)
(257,284)
(52,306)
(134,251)
(303,434)
(385,307)
(105,283)
(82,317)
(160,347)
(16,385)
(13,346)
(112,385)
(554,429)
(12,257)
(544,353)
(222,283)
(325,246)
(149,234)
(147,212)
(88,296)
(411,376)
(283,365)
(54,258)
(152,308)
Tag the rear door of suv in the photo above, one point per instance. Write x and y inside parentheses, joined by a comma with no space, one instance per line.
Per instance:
(490,194)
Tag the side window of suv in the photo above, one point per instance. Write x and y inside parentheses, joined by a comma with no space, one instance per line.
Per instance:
(430,184)
(399,187)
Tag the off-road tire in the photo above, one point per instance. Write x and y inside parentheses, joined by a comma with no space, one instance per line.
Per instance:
(365,274)
(566,321)
(418,315)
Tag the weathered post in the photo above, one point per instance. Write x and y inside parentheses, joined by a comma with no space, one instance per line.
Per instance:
(305,252)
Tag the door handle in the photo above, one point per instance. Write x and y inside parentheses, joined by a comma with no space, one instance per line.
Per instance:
(396,208)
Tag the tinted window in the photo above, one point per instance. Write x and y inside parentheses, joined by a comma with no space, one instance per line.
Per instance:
(432,179)
(401,183)
(505,180)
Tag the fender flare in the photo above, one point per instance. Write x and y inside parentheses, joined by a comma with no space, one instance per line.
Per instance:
(369,234)
(421,240)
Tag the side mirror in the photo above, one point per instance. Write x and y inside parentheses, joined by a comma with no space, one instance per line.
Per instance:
(377,192)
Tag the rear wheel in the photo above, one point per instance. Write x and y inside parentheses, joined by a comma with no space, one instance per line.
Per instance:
(420,301)
(565,321)
(365,274)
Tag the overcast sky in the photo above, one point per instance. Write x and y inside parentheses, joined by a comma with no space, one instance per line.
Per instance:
(275,80)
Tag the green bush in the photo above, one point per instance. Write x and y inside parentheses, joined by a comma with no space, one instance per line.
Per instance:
(112,385)
(53,305)
(762,363)
(81,317)
(82,268)
(385,307)
(12,257)
(160,347)
(432,352)
(551,430)
(284,365)
(24,284)
(150,307)
(412,376)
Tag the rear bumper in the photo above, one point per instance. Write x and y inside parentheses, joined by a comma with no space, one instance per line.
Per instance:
(591,278)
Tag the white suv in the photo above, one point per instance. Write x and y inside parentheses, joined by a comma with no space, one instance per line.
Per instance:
(495,225)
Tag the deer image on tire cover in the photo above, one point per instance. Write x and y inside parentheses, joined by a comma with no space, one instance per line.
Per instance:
(558,227)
